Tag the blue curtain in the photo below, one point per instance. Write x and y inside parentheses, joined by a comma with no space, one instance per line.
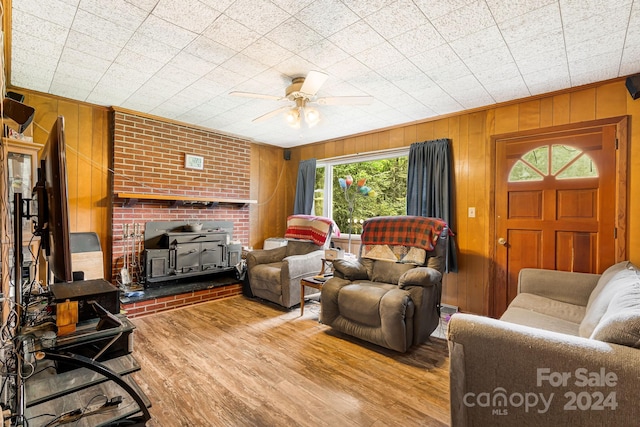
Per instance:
(430,189)
(305,187)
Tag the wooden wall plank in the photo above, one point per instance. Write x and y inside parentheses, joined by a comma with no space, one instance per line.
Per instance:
(529,115)
(424,132)
(611,100)
(546,112)
(506,119)
(583,105)
(561,109)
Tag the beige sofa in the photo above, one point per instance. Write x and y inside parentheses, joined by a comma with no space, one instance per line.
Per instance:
(566,352)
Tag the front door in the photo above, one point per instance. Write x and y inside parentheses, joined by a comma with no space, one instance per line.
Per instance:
(556,205)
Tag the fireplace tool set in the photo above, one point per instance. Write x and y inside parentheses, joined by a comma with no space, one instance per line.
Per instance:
(131,270)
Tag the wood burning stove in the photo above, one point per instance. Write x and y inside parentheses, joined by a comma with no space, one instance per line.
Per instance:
(172,251)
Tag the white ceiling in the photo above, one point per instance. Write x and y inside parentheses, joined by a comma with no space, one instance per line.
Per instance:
(179,59)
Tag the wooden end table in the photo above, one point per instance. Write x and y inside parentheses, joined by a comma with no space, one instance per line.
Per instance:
(312,283)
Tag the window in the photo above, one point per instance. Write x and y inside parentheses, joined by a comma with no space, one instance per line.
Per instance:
(565,162)
(386,177)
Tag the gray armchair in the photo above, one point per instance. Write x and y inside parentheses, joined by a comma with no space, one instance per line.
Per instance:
(274,274)
(388,299)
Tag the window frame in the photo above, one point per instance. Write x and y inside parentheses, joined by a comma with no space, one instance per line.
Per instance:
(329,163)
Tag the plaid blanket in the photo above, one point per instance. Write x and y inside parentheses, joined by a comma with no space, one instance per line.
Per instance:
(415,231)
(309,227)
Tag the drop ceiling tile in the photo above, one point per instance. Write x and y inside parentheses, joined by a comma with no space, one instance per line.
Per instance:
(106,99)
(502,71)
(192,15)
(92,46)
(70,90)
(276,55)
(543,60)
(62,78)
(488,59)
(366,8)
(26,45)
(593,76)
(55,11)
(192,64)
(122,78)
(146,5)
(348,69)
(437,100)
(604,61)
(72,70)
(41,71)
(146,47)
(243,65)
(629,66)
(436,8)
(380,56)
(507,90)
(295,66)
(559,73)
(23,75)
(120,12)
(531,24)
(38,28)
(417,40)
(209,50)
(265,15)
(466,20)
(327,17)
(166,32)
(220,5)
(231,33)
(223,77)
(396,18)
(576,10)
(435,58)
(479,42)
(82,59)
(323,54)
(516,8)
(291,6)
(596,27)
(133,60)
(99,28)
(294,35)
(595,47)
(406,76)
(534,47)
(356,38)
(446,73)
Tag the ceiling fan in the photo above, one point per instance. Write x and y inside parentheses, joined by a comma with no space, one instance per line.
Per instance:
(302,91)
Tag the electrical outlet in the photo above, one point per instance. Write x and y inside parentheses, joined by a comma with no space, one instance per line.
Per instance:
(472,212)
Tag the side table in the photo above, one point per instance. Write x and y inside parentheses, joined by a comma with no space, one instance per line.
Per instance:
(311,282)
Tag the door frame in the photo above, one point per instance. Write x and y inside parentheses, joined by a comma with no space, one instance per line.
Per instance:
(622,171)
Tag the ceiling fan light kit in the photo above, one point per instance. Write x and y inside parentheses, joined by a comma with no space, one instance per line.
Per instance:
(302,91)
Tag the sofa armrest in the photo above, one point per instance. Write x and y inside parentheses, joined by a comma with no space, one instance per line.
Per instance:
(329,308)
(303,265)
(265,256)
(572,288)
(420,276)
(562,379)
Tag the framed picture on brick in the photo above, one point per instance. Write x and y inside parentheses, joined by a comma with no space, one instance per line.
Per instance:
(193,162)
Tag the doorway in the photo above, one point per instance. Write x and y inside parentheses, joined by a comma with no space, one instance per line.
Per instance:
(560,202)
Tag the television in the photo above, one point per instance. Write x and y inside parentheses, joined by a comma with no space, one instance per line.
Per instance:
(53,205)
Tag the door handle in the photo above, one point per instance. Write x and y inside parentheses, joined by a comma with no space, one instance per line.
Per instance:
(502,241)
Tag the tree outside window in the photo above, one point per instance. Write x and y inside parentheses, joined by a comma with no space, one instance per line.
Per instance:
(386,176)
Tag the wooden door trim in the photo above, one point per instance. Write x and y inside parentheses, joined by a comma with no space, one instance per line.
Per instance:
(622,170)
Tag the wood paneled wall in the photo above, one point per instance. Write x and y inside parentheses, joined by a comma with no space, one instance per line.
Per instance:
(89,149)
(470,133)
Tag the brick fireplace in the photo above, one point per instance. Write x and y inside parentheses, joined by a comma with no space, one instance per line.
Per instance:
(149,160)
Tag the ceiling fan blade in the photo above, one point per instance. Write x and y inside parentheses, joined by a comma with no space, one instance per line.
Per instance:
(313,82)
(271,114)
(345,100)
(256,95)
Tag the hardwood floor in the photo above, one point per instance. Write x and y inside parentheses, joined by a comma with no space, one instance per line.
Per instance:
(240,362)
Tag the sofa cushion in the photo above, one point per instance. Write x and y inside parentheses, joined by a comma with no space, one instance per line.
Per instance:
(612,280)
(621,322)
(562,310)
(524,317)
(360,302)
(350,269)
(389,272)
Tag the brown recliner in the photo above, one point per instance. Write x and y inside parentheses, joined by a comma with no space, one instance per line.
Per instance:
(392,304)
